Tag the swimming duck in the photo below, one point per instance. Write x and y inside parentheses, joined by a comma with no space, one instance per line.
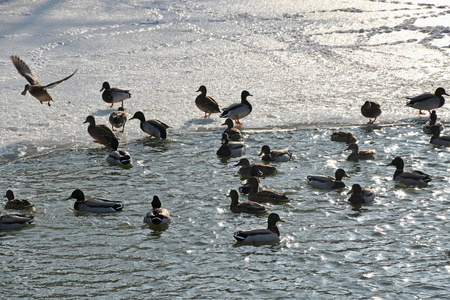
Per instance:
(427,101)
(14,221)
(118,119)
(230,148)
(155,128)
(408,177)
(245,207)
(344,136)
(233,133)
(245,187)
(157,215)
(118,157)
(328,182)
(260,234)
(246,168)
(437,138)
(238,111)
(102,134)
(433,121)
(205,103)
(94,205)
(360,195)
(275,155)
(266,195)
(36,89)
(371,110)
(114,95)
(360,154)
(14,203)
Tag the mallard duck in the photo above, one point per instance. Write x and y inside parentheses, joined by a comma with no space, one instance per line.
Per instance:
(102,134)
(36,89)
(275,155)
(360,154)
(266,195)
(260,234)
(408,177)
(328,182)
(427,101)
(371,110)
(233,133)
(114,95)
(205,103)
(245,187)
(118,157)
(118,119)
(155,128)
(344,137)
(238,111)
(432,122)
(157,215)
(14,221)
(230,148)
(437,138)
(94,205)
(245,207)
(246,168)
(360,195)
(14,203)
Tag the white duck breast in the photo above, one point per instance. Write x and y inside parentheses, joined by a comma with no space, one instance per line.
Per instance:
(155,128)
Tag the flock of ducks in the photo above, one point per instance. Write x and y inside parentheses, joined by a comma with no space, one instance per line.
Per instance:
(232,145)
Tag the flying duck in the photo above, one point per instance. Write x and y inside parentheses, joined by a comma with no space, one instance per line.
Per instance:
(114,95)
(275,155)
(427,101)
(205,103)
(408,177)
(102,134)
(36,89)
(155,128)
(13,203)
(118,119)
(328,182)
(230,148)
(432,122)
(157,215)
(94,205)
(359,154)
(371,110)
(260,234)
(233,133)
(238,111)
(245,207)
(14,221)
(246,168)
(361,195)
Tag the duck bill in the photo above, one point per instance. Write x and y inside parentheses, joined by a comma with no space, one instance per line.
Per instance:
(102,89)
(281,220)
(261,153)
(345,175)
(389,164)
(24,92)
(351,191)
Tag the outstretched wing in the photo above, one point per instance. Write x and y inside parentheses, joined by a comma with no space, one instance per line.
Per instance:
(24,70)
(52,85)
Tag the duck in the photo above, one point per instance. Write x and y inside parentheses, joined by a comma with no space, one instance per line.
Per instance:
(259,234)
(94,205)
(344,137)
(361,195)
(257,195)
(114,95)
(328,182)
(233,133)
(205,103)
(238,111)
(254,172)
(14,221)
(371,109)
(432,122)
(246,168)
(36,89)
(357,154)
(118,119)
(428,101)
(282,155)
(409,177)
(155,128)
(250,207)
(230,148)
(118,157)
(157,215)
(13,203)
(437,138)
(102,134)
